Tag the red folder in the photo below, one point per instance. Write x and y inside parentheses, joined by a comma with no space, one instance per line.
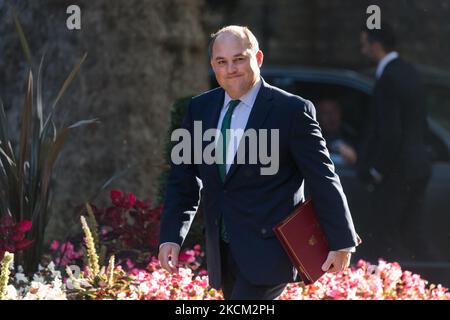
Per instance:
(304,241)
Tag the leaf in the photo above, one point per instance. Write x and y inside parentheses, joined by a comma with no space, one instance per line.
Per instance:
(114,177)
(69,79)
(4,132)
(35,173)
(53,155)
(26,119)
(39,104)
(63,89)
(84,122)
(3,153)
(23,39)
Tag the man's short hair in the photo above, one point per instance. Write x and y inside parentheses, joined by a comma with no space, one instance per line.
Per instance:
(385,36)
(240,31)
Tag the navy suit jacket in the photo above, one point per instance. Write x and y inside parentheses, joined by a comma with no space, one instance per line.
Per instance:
(251,203)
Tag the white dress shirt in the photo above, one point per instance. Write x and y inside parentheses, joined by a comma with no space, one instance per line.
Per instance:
(239,119)
(384,62)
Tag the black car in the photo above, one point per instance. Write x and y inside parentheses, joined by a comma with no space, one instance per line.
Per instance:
(352,91)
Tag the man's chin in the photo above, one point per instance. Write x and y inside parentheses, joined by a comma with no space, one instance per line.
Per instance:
(235,91)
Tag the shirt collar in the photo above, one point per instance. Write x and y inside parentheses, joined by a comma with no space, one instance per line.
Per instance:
(384,62)
(247,99)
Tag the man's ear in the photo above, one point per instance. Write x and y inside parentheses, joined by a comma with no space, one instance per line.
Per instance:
(259,58)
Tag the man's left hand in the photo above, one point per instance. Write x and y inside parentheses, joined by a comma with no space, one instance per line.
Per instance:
(337,261)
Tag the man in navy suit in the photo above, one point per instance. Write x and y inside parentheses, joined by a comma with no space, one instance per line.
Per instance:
(242,203)
(394,160)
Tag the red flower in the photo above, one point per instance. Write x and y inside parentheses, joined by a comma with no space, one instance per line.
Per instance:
(19,236)
(129,201)
(116,197)
(142,204)
(25,243)
(24,226)
(114,217)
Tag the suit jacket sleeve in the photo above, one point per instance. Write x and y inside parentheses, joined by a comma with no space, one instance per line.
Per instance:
(182,195)
(309,151)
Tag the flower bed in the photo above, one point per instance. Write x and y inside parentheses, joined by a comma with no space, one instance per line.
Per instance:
(125,233)
(385,281)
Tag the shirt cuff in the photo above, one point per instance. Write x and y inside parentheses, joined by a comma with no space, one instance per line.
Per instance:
(376,175)
(161,245)
(350,249)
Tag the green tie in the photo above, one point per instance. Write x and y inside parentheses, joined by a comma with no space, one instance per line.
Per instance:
(223,155)
(226,137)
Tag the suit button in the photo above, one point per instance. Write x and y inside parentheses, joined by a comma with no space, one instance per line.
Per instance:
(216,222)
(263,231)
(225,191)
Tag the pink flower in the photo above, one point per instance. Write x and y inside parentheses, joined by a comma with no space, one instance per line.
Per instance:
(54,246)
(187,256)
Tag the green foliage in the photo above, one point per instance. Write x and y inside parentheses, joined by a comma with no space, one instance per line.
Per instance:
(177,114)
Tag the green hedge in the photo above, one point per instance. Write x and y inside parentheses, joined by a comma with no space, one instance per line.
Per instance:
(178,110)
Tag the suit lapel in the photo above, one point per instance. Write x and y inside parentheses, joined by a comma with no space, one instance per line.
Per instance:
(214,107)
(257,116)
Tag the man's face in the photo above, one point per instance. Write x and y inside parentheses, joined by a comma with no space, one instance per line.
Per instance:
(235,65)
(330,117)
(367,48)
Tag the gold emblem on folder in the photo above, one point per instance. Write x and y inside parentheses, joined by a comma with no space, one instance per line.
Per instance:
(312,241)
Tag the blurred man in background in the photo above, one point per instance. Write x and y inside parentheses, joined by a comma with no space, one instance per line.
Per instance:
(394,159)
(336,133)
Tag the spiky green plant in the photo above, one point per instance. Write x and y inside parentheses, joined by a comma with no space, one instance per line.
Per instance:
(4,274)
(93,265)
(98,283)
(26,184)
(93,225)
(111,270)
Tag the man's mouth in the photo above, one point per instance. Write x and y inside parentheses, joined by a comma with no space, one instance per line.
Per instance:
(234,77)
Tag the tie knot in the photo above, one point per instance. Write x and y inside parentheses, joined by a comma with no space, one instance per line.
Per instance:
(233,104)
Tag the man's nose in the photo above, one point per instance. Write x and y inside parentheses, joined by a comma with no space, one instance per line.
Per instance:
(231,68)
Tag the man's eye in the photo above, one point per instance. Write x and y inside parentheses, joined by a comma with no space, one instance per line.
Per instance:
(220,62)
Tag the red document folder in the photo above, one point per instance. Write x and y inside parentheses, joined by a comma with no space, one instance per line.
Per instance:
(304,241)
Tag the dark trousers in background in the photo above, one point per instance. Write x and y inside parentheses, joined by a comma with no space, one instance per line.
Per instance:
(395,231)
(236,287)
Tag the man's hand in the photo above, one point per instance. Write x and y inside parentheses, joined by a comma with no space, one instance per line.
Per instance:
(337,261)
(348,153)
(169,250)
